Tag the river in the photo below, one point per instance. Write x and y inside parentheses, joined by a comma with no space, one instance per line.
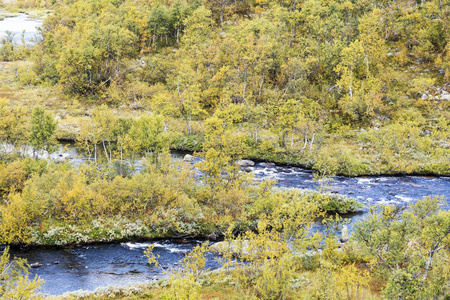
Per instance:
(89,267)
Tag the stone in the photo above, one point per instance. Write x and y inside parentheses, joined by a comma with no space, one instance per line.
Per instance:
(212,237)
(445,97)
(36,265)
(245,163)
(241,248)
(344,234)
(424,96)
(188,157)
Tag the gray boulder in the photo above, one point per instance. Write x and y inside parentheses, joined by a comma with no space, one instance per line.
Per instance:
(344,234)
(245,163)
(188,157)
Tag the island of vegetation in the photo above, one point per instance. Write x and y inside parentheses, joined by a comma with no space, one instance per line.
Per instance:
(343,87)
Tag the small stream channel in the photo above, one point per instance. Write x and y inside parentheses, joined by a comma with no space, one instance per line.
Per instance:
(18,25)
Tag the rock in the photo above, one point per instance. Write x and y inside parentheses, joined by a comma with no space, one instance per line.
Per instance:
(344,234)
(57,118)
(56,262)
(245,163)
(188,157)
(445,97)
(36,265)
(243,248)
(424,96)
(212,237)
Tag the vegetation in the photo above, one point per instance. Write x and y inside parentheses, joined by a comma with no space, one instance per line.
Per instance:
(48,204)
(14,281)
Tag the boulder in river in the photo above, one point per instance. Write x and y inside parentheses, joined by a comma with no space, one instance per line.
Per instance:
(212,237)
(188,157)
(36,265)
(344,234)
(245,163)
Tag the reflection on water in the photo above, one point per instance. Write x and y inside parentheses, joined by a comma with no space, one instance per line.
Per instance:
(16,25)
